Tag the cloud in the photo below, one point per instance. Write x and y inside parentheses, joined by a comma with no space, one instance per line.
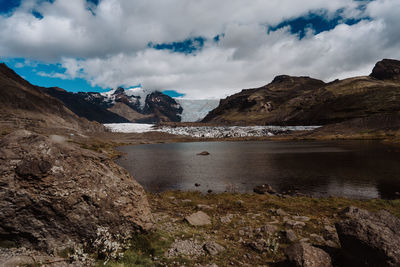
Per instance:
(53,75)
(108,44)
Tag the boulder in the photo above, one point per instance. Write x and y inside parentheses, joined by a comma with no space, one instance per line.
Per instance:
(305,255)
(290,235)
(264,189)
(198,219)
(204,153)
(370,239)
(55,195)
(213,248)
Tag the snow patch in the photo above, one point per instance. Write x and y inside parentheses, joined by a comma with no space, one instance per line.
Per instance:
(139,92)
(129,127)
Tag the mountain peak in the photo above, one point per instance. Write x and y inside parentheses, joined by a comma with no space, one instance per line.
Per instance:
(386,69)
(119,90)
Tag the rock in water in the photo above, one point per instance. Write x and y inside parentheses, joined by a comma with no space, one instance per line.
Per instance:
(305,255)
(198,219)
(54,195)
(370,239)
(204,153)
(264,189)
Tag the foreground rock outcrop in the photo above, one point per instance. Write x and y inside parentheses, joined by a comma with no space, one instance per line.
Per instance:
(305,255)
(55,195)
(370,239)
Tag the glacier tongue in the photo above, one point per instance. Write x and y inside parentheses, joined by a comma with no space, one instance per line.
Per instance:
(196,109)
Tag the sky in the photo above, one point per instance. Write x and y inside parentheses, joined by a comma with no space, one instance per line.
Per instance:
(197,49)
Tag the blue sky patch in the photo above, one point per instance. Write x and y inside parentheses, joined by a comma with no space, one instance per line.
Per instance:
(317,21)
(187,46)
(173,93)
(37,14)
(35,72)
(7,6)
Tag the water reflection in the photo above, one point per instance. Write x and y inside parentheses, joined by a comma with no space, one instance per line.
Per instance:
(358,169)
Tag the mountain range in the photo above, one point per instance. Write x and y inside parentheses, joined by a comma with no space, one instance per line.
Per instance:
(289,100)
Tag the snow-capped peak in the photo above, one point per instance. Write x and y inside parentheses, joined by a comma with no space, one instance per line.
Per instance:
(138,92)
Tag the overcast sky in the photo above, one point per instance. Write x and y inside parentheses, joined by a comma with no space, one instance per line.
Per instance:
(200,48)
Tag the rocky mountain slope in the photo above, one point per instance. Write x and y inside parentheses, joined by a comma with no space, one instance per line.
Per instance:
(83,108)
(305,101)
(120,105)
(23,105)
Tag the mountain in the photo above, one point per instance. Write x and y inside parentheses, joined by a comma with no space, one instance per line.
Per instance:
(120,105)
(196,109)
(291,100)
(23,105)
(83,108)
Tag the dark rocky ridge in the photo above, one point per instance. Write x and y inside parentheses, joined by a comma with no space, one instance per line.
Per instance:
(387,69)
(80,106)
(305,101)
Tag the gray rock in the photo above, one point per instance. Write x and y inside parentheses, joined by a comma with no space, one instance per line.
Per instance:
(295,224)
(198,219)
(305,255)
(290,235)
(370,239)
(55,194)
(203,207)
(281,212)
(301,218)
(330,234)
(269,228)
(213,248)
(317,238)
(226,219)
(331,244)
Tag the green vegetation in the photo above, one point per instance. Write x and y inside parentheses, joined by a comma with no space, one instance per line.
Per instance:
(143,249)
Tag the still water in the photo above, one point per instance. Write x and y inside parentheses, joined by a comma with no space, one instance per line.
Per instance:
(356,169)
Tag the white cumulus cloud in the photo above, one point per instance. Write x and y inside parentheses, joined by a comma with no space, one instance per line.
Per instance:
(108,43)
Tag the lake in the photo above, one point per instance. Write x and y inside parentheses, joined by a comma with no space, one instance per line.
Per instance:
(355,169)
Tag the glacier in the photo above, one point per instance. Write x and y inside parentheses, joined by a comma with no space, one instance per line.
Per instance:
(195,109)
(208,131)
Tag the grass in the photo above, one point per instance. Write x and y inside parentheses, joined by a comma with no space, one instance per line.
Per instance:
(250,211)
(143,250)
